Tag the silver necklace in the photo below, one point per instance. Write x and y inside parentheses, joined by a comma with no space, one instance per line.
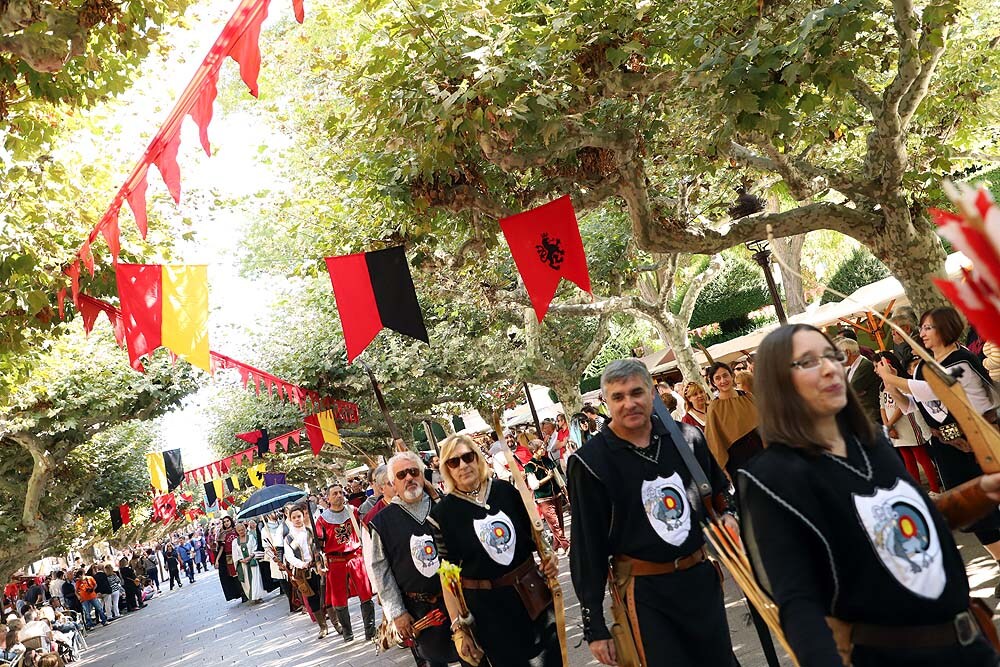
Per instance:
(641,451)
(474,497)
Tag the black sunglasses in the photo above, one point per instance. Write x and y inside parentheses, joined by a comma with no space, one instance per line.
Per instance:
(408,472)
(467,457)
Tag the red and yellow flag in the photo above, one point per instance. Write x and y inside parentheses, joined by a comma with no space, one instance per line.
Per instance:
(165,305)
(321,430)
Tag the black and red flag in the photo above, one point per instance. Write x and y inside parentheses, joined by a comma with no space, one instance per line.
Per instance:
(374,290)
(546,245)
(120,517)
(259,438)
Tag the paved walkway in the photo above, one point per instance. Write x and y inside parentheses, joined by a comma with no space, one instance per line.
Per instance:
(196,626)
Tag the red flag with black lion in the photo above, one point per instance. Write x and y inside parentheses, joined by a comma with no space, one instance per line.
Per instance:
(546,245)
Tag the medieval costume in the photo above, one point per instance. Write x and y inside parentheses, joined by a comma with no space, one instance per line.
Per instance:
(247,571)
(954,458)
(731,431)
(634,506)
(227,568)
(305,575)
(492,542)
(345,568)
(404,565)
(855,539)
(270,539)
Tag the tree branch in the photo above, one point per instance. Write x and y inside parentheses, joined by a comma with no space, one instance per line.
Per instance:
(864,95)
(699,282)
(571,141)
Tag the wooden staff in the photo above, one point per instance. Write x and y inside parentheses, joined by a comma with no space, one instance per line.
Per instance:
(544,548)
(397,437)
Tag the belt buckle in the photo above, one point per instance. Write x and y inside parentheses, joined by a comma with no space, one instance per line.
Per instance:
(966,629)
(677,563)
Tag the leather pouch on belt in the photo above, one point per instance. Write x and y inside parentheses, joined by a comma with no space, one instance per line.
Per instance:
(534,592)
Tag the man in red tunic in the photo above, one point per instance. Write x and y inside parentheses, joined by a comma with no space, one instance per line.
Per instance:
(337,528)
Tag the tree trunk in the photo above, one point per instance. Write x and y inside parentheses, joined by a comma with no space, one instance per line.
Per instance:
(914,259)
(570,397)
(675,336)
(789,250)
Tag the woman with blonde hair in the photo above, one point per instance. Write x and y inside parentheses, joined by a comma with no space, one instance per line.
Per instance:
(483,526)
(695,405)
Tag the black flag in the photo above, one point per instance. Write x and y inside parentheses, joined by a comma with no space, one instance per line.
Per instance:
(210,496)
(175,468)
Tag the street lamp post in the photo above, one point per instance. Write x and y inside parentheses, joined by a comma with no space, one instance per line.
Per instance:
(762,255)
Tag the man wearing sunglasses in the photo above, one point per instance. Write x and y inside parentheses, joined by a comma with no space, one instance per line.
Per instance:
(337,528)
(405,562)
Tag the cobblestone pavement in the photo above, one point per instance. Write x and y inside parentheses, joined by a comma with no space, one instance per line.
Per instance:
(196,626)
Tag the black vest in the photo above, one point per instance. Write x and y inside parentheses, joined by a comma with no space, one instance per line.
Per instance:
(656,509)
(889,556)
(410,549)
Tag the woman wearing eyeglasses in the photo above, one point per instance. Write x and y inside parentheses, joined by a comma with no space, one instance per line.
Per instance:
(482,526)
(940,331)
(837,529)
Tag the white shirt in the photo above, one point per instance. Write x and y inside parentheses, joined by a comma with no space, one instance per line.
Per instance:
(298,538)
(853,368)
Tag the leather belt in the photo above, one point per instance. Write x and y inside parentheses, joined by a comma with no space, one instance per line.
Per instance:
(645,568)
(508,579)
(961,630)
(341,556)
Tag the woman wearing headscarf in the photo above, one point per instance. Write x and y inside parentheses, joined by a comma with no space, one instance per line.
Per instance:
(482,526)
(247,571)
(731,422)
(860,561)
(224,559)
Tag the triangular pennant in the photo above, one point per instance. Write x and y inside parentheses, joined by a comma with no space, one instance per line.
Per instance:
(112,233)
(61,303)
(166,161)
(73,271)
(87,257)
(201,112)
(246,50)
(546,245)
(299,9)
(137,201)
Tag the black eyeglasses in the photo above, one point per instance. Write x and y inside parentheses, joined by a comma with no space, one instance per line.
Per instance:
(467,457)
(408,472)
(810,363)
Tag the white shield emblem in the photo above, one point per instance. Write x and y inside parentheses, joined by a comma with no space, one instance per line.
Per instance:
(425,554)
(667,508)
(904,537)
(496,534)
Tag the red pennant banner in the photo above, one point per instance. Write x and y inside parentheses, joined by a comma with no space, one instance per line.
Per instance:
(165,508)
(546,245)
(306,399)
(238,40)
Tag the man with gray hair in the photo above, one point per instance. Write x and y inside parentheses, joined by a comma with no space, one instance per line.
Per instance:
(905,319)
(862,376)
(405,562)
(380,482)
(635,503)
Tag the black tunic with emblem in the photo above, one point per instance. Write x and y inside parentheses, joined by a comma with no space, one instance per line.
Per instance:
(489,541)
(954,465)
(857,539)
(413,558)
(643,504)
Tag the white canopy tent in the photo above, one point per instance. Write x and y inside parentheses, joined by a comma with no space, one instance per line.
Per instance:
(878,295)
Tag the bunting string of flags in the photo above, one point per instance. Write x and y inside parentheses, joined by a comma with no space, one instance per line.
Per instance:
(239,40)
(305,399)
